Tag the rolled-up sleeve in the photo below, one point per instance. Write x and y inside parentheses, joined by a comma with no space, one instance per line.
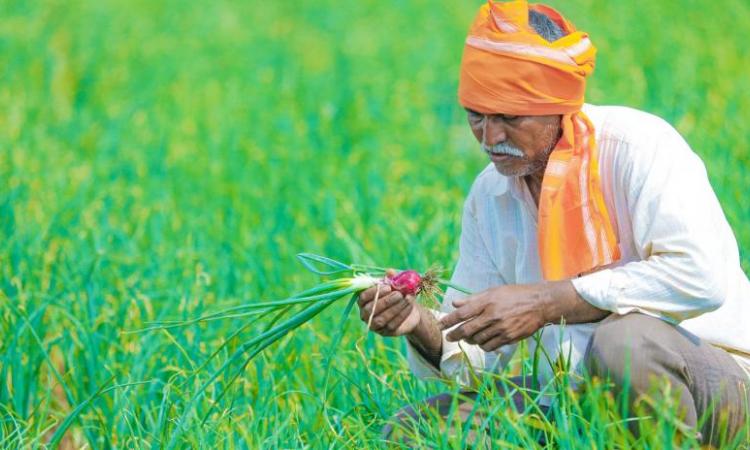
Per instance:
(679,232)
(476,272)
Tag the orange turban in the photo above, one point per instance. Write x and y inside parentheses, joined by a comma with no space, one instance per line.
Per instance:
(508,68)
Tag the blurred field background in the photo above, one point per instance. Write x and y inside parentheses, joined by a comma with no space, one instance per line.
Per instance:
(161,159)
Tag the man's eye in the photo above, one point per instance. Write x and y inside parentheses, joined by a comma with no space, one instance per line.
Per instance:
(475,116)
(508,118)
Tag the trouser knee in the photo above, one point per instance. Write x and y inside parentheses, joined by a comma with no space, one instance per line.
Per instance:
(625,349)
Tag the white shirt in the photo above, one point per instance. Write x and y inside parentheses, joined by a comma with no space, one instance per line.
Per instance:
(680,260)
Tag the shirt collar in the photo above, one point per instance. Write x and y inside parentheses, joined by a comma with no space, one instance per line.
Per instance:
(516,187)
(501,185)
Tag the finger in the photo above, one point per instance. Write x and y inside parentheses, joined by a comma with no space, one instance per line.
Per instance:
(383,303)
(465,300)
(369,294)
(495,343)
(383,319)
(392,299)
(393,325)
(413,319)
(390,272)
(468,329)
(365,296)
(389,300)
(486,334)
(462,314)
(460,302)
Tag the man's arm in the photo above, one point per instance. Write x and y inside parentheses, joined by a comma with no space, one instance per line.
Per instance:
(563,304)
(427,337)
(688,255)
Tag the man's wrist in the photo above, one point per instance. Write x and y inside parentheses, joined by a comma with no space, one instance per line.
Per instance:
(560,301)
(427,337)
(422,328)
(547,303)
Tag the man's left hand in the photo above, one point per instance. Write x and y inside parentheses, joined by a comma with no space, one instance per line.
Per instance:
(498,316)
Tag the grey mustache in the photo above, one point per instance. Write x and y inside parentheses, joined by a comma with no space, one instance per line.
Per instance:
(503,149)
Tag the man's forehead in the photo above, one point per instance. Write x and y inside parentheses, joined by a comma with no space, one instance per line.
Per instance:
(506,114)
(487,112)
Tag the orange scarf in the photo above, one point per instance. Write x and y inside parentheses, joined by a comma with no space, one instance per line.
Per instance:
(508,68)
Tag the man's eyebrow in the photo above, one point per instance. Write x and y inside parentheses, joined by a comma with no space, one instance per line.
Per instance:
(504,116)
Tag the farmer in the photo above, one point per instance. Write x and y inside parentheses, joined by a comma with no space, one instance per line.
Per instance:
(594,224)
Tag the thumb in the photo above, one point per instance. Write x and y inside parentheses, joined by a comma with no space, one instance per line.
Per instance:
(460,302)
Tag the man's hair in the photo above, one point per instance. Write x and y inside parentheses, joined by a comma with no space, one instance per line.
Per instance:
(545,27)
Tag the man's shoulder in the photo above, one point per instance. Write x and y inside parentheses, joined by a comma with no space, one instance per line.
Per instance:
(613,122)
(635,140)
(635,144)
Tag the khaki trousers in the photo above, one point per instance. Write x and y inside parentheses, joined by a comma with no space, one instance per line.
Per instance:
(642,352)
(711,387)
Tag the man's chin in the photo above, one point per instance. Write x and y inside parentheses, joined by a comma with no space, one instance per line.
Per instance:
(511,171)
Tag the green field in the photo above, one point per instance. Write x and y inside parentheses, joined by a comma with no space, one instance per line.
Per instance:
(163,159)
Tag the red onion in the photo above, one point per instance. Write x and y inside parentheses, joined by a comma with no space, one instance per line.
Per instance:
(407,282)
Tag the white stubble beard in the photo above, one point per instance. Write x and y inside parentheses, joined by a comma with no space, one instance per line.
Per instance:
(533,166)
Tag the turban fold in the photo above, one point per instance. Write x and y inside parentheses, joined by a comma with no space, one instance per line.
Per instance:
(507,68)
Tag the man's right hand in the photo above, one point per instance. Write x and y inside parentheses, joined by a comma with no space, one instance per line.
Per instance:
(395,314)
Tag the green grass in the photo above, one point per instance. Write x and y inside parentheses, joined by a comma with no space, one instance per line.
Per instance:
(163,159)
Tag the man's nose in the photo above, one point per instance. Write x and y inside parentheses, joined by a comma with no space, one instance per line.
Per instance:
(493,132)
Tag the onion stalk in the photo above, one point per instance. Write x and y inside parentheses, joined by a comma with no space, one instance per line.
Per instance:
(290,313)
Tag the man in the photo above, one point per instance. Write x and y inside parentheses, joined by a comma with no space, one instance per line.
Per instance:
(601,218)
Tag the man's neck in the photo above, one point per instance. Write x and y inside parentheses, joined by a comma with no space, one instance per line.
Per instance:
(534,183)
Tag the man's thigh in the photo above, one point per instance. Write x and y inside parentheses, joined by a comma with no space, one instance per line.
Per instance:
(638,350)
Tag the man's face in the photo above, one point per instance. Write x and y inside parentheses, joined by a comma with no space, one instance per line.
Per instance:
(517,145)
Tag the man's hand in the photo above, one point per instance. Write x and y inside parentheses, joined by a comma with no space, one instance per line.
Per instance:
(507,314)
(497,316)
(395,315)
